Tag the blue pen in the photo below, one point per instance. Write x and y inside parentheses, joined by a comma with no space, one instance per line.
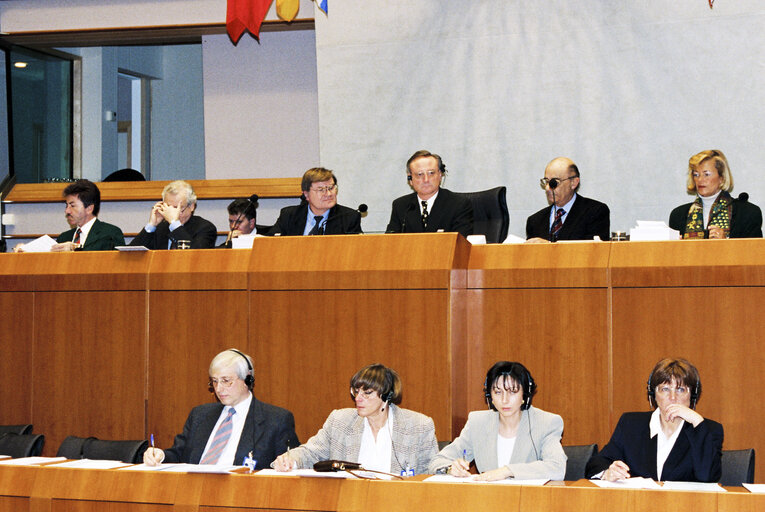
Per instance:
(152,440)
(464,455)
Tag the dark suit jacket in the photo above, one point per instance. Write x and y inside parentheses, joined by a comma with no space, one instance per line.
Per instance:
(745,223)
(340,221)
(451,212)
(695,457)
(586,219)
(267,432)
(102,237)
(201,232)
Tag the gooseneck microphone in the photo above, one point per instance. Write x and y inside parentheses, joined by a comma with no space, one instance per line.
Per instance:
(553,184)
(406,214)
(253,201)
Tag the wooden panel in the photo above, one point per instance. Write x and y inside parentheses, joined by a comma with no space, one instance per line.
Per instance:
(308,345)
(559,265)
(16,362)
(718,329)
(420,496)
(742,501)
(13,504)
(108,270)
(355,262)
(89,373)
(186,330)
(199,269)
(152,190)
(560,336)
(736,262)
(583,497)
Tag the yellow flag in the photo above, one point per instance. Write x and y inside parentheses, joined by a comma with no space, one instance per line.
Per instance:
(287,9)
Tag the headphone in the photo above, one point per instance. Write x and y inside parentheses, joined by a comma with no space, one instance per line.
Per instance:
(249,380)
(427,154)
(526,381)
(652,393)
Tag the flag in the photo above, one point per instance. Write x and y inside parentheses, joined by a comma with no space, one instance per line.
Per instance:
(323,5)
(244,15)
(287,9)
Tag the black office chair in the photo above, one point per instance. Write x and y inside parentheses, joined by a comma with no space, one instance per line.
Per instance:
(737,467)
(16,429)
(490,215)
(21,445)
(126,174)
(100,449)
(443,444)
(71,447)
(262,229)
(578,456)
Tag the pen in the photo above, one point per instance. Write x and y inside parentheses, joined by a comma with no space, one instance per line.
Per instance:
(464,455)
(152,440)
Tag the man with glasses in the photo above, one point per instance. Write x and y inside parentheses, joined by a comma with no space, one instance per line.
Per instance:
(430,208)
(569,216)
(237,427)
(318,213)
(173,220)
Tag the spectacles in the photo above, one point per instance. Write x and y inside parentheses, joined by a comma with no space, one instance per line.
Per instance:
(366,394)
(225,382)
(419,176)
(706,174)
(325,190)
(666,390)
(554,182)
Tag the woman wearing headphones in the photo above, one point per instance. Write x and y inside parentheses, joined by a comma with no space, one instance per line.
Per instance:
(673,442)
(376,433)
(512,439)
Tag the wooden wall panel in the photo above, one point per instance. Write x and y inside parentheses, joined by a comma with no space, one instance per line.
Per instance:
(16,363)
(90,365)
(186,330)
(308,345)
(560,336)
(719,330)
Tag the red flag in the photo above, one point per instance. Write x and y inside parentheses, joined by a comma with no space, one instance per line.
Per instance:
(244,15)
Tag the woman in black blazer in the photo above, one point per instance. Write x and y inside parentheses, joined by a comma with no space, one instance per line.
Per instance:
(674,442)
(714,213)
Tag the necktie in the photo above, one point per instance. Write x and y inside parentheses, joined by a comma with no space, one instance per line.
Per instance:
(76,239)
(220,440)
(425,214)
(316,227)
(558,222)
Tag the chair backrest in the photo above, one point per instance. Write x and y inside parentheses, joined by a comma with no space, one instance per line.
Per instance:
(71,447)
(125,451)
(737,467)
(16,429)
(126,174)
(577,460)
(443,444)
(490,215)
(21,445)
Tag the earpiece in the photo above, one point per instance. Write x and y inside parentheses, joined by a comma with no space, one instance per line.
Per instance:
(249,380)
(517,372)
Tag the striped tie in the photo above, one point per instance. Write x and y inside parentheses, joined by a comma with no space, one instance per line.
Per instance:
(558,222)
(76,239)
(220,440)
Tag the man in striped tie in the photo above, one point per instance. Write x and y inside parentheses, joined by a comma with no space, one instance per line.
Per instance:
(224,433)
(570,216)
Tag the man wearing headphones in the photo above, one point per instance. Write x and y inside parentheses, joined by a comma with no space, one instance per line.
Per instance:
(510,440)
(227,432)
(674,442)
(430,208)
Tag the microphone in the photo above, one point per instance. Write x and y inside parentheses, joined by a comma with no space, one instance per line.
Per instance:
(406,214)
(333,466)
(253,200)
(361,209)
(743,196)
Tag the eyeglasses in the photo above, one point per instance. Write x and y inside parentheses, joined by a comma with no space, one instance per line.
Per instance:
(554,182)
(705,174)
(366,394)
(666,390)
(325,190)
(225,382)
(419,176)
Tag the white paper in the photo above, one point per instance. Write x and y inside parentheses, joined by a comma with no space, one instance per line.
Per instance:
(93,464)
(5,457)
(42,244)
(244,241)
(637,482)
(692,486)
(756,488)
(131,248)
(451,479)
(305,472)
(514,239)
(30,461)
(199,468)
(146,467)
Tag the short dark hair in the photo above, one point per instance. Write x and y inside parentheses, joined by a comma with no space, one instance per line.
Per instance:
(381,379)
(244,207)
(423,153)
(517,372)
(674,369)
(314,175)
(87,192)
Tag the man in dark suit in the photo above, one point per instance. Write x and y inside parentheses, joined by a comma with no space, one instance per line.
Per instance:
(569,216)
(238,427)
(318,213)
(83,202)
(430,208)
(172,220)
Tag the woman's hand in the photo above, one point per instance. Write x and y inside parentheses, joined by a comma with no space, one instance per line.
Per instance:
(681,411)
(716,232)
(618,470)
(460,467)
(495,474)
(284,463)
